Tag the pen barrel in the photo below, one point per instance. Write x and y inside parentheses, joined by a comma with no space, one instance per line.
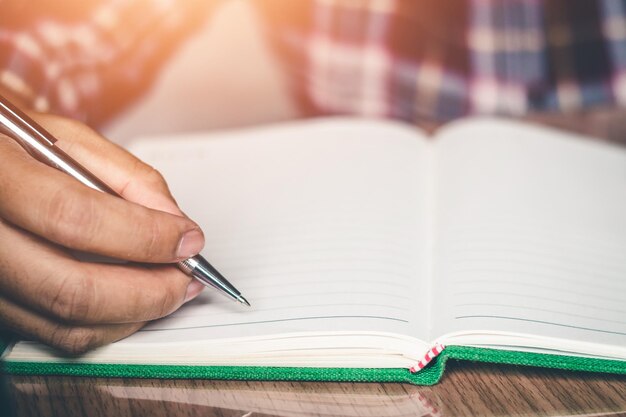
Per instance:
(203,271)
(63,162)
(40,144)
(18,118)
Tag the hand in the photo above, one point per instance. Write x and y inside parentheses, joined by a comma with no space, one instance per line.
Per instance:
(48,295)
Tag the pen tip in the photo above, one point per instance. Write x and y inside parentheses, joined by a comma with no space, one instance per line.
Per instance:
(243,301)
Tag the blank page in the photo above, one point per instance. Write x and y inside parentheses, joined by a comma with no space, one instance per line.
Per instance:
(322,225)
(531,227)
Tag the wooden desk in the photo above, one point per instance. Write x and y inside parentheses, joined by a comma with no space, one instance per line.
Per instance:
(467,390)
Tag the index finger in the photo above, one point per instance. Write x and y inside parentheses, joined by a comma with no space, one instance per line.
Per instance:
(130,177)
(57,207)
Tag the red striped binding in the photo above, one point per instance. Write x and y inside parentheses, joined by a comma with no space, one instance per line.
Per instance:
(430,355)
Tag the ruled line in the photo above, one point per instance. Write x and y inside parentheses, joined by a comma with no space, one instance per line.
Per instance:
(264,280)
(578,277)
(516,241)
(583,282)
(325,294)
(543,310)
(538,258)
(276,321)
(459,294)
(541,322)
(213,314)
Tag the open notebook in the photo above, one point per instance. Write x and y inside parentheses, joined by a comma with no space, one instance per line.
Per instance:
(367,250)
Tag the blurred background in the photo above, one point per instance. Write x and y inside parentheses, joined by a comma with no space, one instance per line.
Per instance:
(224,75)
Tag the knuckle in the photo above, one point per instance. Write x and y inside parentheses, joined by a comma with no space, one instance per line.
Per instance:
(73,298)
(166,300)
(75,340)
(71,132)
(153,176)
(55,122)
(153,242)
(70,220)
(76,128)
(170,303)
(150,176)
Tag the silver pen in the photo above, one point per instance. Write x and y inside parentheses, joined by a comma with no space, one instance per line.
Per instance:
(40,144)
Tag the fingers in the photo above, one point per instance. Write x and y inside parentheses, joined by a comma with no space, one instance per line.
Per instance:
(67,338)
(44,278)
(127,175)
(45,293)
(59,208)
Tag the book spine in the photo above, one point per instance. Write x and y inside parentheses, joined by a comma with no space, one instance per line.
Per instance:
(429,356)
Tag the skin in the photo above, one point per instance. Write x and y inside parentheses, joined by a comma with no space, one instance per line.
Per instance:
(46,294)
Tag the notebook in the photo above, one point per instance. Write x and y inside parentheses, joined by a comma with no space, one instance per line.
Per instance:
(371,252)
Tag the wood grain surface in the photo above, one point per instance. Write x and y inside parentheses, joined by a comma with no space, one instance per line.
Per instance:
(467,389)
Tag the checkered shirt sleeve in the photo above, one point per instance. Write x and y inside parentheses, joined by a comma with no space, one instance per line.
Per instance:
(90,64)
(427,60)
(437,60)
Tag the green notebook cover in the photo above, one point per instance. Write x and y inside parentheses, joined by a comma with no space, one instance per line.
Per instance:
(430,375)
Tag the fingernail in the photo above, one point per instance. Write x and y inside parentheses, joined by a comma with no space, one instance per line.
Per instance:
(193,289)
(190,245)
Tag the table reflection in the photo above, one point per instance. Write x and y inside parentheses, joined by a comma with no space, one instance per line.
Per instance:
(467,389)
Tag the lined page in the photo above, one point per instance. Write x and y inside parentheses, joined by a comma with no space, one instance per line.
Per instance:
(532,233)
(321,225)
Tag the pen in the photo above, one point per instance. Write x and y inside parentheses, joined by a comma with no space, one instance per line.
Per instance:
(40,144)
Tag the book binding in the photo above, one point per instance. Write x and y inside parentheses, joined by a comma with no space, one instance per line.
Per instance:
(428,357)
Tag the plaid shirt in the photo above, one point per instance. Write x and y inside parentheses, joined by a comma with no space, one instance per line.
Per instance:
(90,59)
(426,60)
